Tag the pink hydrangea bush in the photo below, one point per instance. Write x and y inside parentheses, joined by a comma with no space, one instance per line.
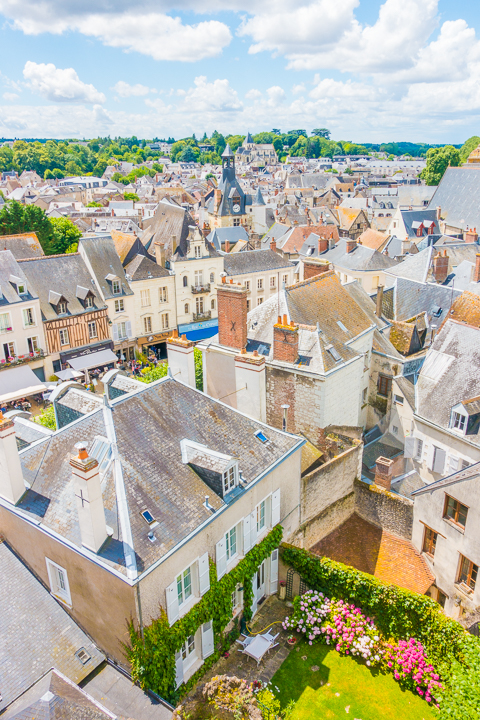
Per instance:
(310,611)
(351,633)
(406,659)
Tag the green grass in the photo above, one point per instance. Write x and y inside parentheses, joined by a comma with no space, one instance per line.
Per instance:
(343,687)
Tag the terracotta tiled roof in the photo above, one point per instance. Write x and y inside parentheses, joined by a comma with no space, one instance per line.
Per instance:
(373,239)
(370,549)
(347,216)
(123,242)
(466,308)
(300,234)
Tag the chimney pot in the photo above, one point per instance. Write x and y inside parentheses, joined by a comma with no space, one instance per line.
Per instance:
(476,277)
(285,321)
(82,450)
(384,472)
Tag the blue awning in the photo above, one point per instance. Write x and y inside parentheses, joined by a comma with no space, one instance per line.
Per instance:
(200,330)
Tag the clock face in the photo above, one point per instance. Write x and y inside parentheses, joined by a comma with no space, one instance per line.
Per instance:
(236,207)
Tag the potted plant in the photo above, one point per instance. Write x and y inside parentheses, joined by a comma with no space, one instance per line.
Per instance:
(291,640)
(282,590)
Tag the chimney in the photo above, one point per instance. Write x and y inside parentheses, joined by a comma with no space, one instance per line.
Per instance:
(350,245)
(88,494)
(285,340)
(378,310)
(217,199)
(440,267)
(174,244)
(470,236)
(322,244)
(314,266)
(12,485)
(439,213)
(227,246)
(476,276)
(250,383)
(181,362)
(232,314)
(273,245)
(159,253)
(384,472)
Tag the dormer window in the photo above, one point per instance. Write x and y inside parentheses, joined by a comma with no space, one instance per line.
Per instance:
(62,308)
(89,301)
(198,251)
(116,289)
(19,284)
(459,421)
(21,289)
(229,479)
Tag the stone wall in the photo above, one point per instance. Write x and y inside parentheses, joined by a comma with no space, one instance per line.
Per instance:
(389,511)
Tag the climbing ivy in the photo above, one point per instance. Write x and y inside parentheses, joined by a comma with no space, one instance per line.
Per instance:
(153,658)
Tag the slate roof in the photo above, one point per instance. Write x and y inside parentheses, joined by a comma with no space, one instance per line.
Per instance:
(412,218)
(62,274)
(457,196)
(449,374)
(9,266)
(233,234)
(154,474)
(472,472)
(466,308)
(170,220)
(253,261)
(36,632)
(142,268)
(23,245)
(361,258)
(412,297)
(104,260)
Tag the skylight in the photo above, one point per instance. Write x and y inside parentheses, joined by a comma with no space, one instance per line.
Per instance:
(261,436)
(342,326)
(335,355)
(147,516)
(101,450)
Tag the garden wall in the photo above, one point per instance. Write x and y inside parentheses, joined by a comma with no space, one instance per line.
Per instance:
(389,511)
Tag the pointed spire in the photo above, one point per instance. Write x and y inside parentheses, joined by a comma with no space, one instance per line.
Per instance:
(249,139)
(259,197)
(227,153)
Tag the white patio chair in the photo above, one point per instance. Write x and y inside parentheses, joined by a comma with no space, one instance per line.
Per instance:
(268,636)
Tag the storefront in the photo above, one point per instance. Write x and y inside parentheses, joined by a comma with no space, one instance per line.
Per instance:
(98,356)
(199,330)
(156,344)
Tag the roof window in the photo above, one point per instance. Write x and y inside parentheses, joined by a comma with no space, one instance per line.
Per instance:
(261,436)
(436,311)
(101,450)
(342,326)
(83,656)
(147,516)
(335,355)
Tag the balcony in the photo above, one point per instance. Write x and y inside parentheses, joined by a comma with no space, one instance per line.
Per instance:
(197,289)
(16,360)
(200,317)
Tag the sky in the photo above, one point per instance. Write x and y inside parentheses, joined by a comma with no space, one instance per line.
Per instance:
(368,70)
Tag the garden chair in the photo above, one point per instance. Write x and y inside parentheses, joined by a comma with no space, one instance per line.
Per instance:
(268,636)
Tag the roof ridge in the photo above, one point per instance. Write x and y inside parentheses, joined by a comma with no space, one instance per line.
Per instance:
(309,281)
(46,257)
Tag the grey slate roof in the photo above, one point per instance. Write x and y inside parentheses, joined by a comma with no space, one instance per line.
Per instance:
(361,258)
(457,196)
(253,261)
(233,234)
(24,245)
(142,268)
(36,632)
(472,472)
(9,266)
(411,218)
(62,274)
(412,297)
(102,256)
(154,474)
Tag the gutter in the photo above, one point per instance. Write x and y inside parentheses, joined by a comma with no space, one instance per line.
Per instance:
(445,430)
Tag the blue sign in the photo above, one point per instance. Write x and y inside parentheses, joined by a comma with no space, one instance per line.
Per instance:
(182,329)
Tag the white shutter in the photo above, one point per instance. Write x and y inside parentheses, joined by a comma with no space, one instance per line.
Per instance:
(221,558)
(207,640)
(253,528)
(203,574)
(115,333)
(453,464)
(409,449)
(172,602)
(246,534)
(178,668)
(419,449)
(439,461)
(275,507)
(128,329)
(254,599)
(274,572)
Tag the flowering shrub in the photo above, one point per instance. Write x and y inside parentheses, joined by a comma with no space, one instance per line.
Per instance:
(310,611)
(409,665)
(352,633)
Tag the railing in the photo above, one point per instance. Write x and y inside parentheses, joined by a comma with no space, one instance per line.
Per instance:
(198,317)
(13,361)
(196,289)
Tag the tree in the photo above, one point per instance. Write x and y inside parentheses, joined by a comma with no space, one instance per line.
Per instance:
(187,155)
(131,196)
(16,218)
(47,418)
(65,234)
(94,204)
(468,147)
(438,160)
(322,132)
(276,132)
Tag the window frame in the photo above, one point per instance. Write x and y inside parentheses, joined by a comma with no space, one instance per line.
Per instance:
(472,568)
(227,474)
(165,323)
(145,298)
(62,307)
(429,544)
(163,294)
(384,380)
(119,305)
(457,505)
(8,327)
(228,544)
(92,324)
(122,336)
(116,284)
(181,591)
(64,331)
(459,421)
(31,311)
(260,283)
(89,302)
(273,282)
(62,594)
(258,514)
(147,324)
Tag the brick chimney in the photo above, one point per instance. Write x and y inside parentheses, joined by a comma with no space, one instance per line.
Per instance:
(379,304)
(384,472)
(12,485)
(314,266)
(476,275)
(350,245)
(440,267)
(470,236)
(226,246)
(322,244)
(232,314)
(273,245)
(88,495)
(217,199)
(285,340)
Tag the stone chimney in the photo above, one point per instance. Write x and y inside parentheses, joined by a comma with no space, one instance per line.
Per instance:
(322,244)
(159,253)
(232,314)
(440,267)
(273,245)
(470,236)
(384,472)
(217,199)
(88,495)
(350,245)
(285,340)
(379,307)
(439,213)
(314,266)
(250,383)
(12,485)
(181,362)
(227,246)
(476,274)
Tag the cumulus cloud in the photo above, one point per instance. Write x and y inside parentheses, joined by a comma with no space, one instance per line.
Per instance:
(216,96)
(124,90)
(59,85)
(10,96)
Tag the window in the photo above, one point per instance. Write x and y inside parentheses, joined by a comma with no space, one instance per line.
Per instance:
(184,586)
(162,295)
(186,309)
(429,541)
(122,330)
(101,450)
(395,429)
(22,289)
(236,222)
(9,350)
(185,281)
(92,329)
(398,399)
(5,323)
(64,336)
(212,304)
(459,422)
(273,282)
(116,288)
(260,284)
(212,277)
(28,317)
(119,306)
(285,279)
(32,344)
(147,324)
(468,572)
(189,647)
(455,511)
(145,298)
(89,301)
(247,284)
(198,251)
(198,278)
(229,479)
(58,582)
(231,543)
(165,324)
(261,516)
(384,385)
(62,308)
(248,306)
(259,301)
(199,305)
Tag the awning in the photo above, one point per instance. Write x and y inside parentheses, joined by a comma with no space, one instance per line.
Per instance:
(85,362)
(19,382)
(68,374)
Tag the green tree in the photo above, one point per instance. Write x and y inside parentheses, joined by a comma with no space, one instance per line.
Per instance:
(322,132)
(438,160)
(16,218)
(131,196)
(187,155)
(198,359)
(150,374)
(65,234)
(468,147)
(94,204)
(47,418)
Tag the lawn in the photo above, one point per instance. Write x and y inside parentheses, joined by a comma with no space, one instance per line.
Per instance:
(342,687)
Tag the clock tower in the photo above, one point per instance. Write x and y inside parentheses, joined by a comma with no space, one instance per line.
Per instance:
(229,206)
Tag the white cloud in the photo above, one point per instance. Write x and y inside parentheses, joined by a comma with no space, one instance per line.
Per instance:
(10,96)
(217,96)
(101,116)
(59,85)
(253,94)
(124,90)
(296,89)
(276,95)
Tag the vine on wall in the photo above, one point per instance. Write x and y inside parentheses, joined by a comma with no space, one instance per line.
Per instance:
(153,658)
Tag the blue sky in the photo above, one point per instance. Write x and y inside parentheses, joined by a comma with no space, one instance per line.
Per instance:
(366,69)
